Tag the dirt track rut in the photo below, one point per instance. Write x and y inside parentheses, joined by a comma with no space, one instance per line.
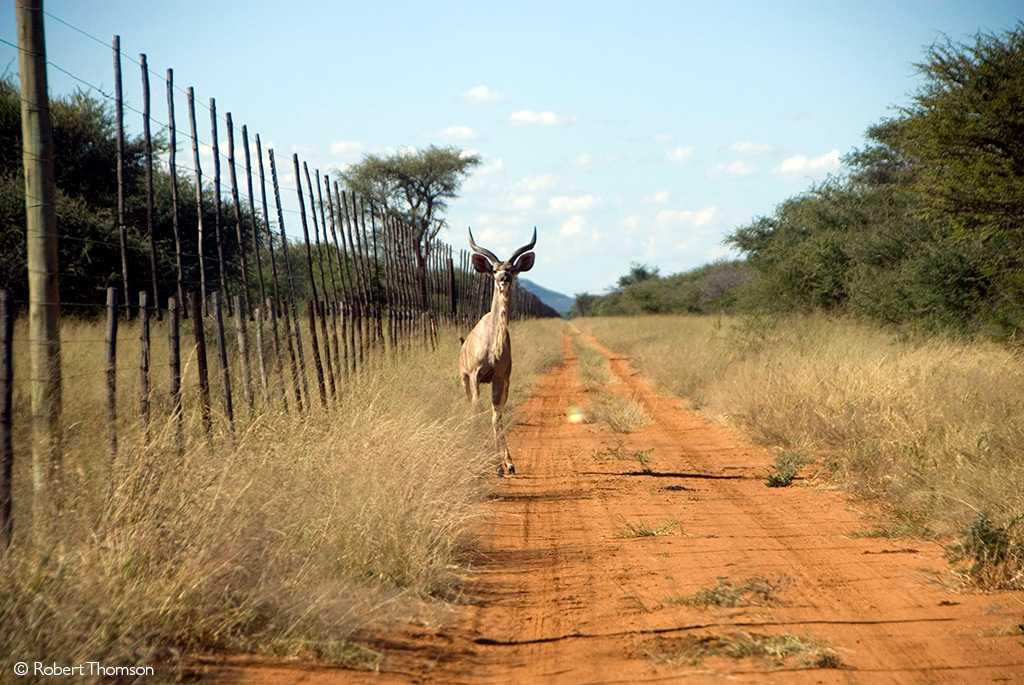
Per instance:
(562,591)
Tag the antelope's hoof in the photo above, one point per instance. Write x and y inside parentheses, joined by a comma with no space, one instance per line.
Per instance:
(511,468)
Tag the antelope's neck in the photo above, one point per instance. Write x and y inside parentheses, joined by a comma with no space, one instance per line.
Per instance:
(499,319)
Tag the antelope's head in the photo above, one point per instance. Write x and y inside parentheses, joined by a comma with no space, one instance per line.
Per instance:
(504,273)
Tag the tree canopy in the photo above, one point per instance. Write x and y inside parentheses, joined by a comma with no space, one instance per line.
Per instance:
(926,227)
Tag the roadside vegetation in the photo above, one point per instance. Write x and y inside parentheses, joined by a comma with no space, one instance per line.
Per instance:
(932,428)
(293,537)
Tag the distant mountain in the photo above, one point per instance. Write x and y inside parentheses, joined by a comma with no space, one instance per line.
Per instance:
(560,302)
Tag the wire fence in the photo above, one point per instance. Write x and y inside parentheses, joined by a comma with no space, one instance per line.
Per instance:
(282,319)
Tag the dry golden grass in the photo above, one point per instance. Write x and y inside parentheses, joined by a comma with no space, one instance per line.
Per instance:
(933,428)
(287,538)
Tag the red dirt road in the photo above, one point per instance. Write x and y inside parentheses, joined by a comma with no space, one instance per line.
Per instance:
(562,590)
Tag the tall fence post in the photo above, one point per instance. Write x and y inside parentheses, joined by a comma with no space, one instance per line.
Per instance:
(41,230)
(172,170)
(148,139)
(222,352)
(242,333)
(122,229)
(222,265)
(174,357)
(111,373)
(144,363)
(199,199)
(201,368)
(6,394)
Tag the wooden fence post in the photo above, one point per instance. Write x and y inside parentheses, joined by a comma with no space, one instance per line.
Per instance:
(111,373)
(243,350)
(222,352)
(316,352)
(201,368)
(174,357)
(6,394)
(122,229)
(199,199)
(172,169)
(291,283)
(264,382)
(144,363)
(41,233)
(309,266)
(238,219)
(148,139)
(217,205)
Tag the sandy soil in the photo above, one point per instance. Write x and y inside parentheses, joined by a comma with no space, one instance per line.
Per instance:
(564,590)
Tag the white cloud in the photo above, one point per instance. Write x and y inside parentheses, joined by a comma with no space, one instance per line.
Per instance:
(346,148)
(681,154)
(737,169)
(801,165)
(534,184)
(491,167)
(583,160)
(526,117)
(566,204)
(661,197)
(522,201)
(662,138)
(670,218)
(573,227)
(482,94)
(750,147)
(457,133)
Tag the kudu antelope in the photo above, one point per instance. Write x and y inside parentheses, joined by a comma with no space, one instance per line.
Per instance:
(486,355)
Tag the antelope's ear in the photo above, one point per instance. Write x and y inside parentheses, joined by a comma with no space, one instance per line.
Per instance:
(482,264)
(525,263)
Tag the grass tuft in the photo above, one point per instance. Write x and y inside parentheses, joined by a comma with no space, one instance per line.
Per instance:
(787,466)
(785,650)
(750,592)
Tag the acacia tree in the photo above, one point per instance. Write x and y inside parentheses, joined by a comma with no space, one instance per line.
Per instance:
(416,185)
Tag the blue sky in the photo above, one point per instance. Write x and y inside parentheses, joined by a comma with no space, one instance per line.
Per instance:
(625,131)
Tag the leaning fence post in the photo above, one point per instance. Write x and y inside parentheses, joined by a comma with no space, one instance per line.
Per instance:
(6,392)
(111,369)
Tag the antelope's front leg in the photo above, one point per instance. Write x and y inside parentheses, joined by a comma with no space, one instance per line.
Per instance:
(499,393)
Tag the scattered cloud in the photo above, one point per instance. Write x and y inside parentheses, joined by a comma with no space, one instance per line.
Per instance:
(565,204)
(671,218)
(521,202)
(583,160)
(482,94)
(798,166)
(526,117)
(660,197)
(681,154)
(750,148)
(737,169)
(346,148)
(575,226)
(457,133)
(662,138)
(535,184)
